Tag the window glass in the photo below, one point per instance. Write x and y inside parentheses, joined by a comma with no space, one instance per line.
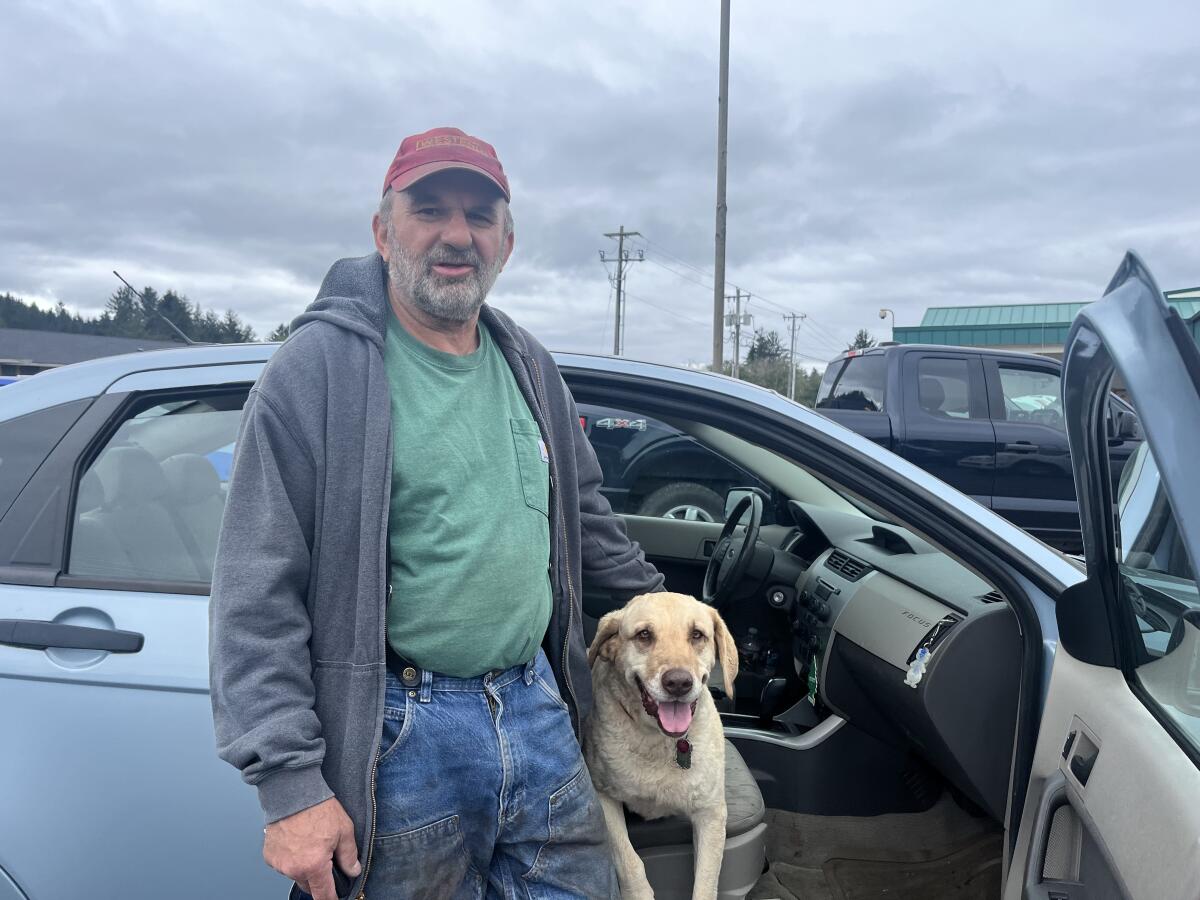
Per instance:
(652,469)
(1032,395)
(827,381)
(859,386)
(149,507)
(27,440)
(944,387)
(1158,581)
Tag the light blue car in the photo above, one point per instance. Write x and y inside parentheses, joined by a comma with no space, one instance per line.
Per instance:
(931,702)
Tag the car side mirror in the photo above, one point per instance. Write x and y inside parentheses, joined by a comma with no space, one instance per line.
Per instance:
(735,496)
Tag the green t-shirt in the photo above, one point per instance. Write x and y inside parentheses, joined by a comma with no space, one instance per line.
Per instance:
(469,527)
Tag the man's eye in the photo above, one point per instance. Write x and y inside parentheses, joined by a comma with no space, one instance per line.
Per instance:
(480,219)
(428,211)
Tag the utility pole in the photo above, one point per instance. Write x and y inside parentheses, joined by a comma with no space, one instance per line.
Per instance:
(737,320)
(793,318)
(722,155)
(623,257)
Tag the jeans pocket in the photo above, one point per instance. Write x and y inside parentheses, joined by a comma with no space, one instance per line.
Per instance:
(575,859)
(397,723)
(550,690)
(533,463)
(426,863)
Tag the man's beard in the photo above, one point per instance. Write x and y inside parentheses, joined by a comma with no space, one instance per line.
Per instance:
(452,300)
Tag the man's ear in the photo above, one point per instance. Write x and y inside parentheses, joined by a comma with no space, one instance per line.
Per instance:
(379,229)
(507,249)
(727,654)
(608,638)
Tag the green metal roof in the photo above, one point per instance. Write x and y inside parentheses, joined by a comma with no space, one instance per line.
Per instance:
(1035,314)
(1008,314)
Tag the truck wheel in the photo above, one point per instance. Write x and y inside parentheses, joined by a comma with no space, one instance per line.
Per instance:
(684,500)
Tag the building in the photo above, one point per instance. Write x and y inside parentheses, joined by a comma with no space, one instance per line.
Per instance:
(24,351)
(1031,327)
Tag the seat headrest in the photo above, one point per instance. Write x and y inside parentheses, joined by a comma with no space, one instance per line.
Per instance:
(931,394)
(91,493)
(136,477)
(190,478)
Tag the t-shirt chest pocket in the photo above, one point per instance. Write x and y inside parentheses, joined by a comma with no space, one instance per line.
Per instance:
(533,464)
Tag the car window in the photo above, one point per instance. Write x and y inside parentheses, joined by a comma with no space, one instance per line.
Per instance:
(859,386)
(1158,583)
(652,469)
(944,387)
(1032,395)
(27,440)
(149,506)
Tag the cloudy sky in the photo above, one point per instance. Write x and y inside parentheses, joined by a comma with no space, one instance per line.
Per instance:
(905,155)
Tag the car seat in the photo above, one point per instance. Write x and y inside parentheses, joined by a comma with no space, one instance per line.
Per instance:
(196,500)
(931,395)
(134,514)
(665,845)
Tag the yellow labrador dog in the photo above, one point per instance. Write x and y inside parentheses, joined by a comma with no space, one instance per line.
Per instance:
(653,741)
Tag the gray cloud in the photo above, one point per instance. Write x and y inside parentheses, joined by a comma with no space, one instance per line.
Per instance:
(948,155)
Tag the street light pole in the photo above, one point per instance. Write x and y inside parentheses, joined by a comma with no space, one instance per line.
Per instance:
(883,315)
(718,335)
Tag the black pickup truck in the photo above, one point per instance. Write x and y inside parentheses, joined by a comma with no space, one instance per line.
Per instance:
(988,422)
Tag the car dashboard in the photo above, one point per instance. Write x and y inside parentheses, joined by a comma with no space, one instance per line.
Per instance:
(908,645)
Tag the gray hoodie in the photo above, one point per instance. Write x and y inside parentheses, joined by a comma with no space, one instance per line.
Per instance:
(298,613)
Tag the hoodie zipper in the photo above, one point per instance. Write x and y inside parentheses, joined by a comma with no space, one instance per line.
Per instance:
(539,395)
(362,893)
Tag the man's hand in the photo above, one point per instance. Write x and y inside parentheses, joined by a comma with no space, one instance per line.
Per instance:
(304,845)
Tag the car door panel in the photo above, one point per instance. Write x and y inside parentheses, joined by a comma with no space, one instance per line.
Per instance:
(1138,805)
(116,758)
(1131,771)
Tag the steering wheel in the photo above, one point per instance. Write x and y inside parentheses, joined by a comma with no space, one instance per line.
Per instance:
(732,555)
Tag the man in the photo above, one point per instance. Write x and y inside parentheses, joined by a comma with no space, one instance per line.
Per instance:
(412,513)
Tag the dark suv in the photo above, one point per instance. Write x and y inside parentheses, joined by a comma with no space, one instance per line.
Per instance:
(988,422)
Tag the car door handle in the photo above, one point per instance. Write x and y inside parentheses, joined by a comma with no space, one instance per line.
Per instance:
(1022,447)
(35,634)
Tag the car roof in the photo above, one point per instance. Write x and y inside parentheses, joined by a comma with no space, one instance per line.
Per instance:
(944,348)
(92,378)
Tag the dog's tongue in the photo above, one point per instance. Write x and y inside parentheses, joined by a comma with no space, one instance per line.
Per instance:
(675,718)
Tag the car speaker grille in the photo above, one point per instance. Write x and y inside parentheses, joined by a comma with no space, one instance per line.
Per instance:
(846,565)
(1063,845)
(991,597)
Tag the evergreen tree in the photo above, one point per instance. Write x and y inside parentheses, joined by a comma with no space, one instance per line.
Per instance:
(280,333)
(862,341)
(128,315)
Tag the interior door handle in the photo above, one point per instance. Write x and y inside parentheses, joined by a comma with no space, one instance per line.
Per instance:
(1022,447)
(36,634)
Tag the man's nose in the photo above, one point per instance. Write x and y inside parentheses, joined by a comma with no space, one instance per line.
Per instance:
(457,233)
(677,682)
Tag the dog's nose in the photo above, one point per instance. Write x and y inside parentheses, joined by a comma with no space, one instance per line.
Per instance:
(677,682)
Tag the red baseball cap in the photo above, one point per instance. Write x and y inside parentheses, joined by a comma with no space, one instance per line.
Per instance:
(420,155)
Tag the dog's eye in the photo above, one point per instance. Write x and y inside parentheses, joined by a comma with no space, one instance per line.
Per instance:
(698,635)
(645,635)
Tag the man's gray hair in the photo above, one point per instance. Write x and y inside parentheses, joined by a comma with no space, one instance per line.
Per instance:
(389,200)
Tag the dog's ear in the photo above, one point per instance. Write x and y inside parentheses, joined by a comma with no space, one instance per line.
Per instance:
(727,654)
(604,644)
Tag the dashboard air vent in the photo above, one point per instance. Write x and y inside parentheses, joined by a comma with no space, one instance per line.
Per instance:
(992,597)
(846,565)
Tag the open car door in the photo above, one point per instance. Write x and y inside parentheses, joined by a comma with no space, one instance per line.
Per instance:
(1113,806)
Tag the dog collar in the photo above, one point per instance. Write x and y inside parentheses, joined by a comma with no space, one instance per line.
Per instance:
(683,753)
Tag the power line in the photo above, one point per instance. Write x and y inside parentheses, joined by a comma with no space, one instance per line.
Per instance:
(623,257)
(665,309)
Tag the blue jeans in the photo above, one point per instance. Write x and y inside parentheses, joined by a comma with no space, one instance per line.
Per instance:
(481,792)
